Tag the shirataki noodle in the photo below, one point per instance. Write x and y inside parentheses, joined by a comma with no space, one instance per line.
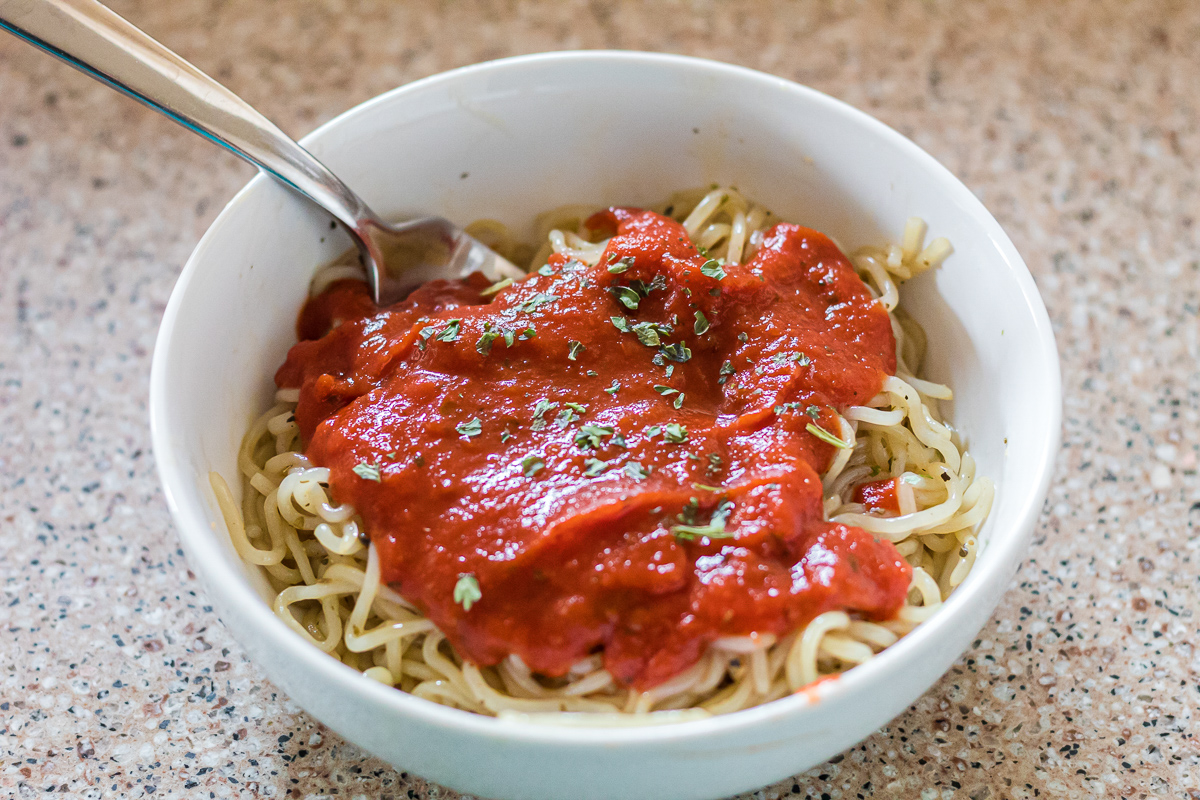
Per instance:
(326,575)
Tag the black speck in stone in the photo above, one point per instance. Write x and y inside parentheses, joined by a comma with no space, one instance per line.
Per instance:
(20,140)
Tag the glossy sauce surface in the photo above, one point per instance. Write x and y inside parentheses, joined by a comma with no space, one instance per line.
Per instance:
(620,456)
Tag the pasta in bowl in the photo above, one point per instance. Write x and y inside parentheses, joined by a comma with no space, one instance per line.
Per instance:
(509,140)
(888,467)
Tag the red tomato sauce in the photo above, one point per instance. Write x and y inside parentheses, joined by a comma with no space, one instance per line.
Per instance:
(879,496)
(618,455)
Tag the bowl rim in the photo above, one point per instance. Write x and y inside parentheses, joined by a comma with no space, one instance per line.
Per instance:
(1003,552)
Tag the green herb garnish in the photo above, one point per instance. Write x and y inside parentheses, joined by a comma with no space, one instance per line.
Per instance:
(592,435)
(531,465)
(470,428)
(826,436)
(628,297)
(674,433)
(613,389)
(651,333)
(484,344)
(537,301)
(701,323)
(450,332)
(496,287)
(545,269)
(635,471)
(677,352)
(466,591)
(679,400)
(713,269)
(665,391)
(726,370)
(622,265)
(539,413)
(715,529)
(368,472)
(620,323)
(594,467)
(574,349)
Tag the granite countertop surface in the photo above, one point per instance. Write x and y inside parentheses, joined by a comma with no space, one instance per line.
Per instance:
(1075,122)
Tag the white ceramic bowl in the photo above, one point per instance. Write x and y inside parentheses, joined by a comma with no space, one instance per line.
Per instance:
(509,139)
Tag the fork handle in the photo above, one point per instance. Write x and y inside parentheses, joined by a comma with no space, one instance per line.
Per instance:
(98,42)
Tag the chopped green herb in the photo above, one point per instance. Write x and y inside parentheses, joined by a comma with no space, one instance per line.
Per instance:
(545,269)
(779,409)
(505,436)
(628,297)
(425,333)
(653,431)
(574,349)
(591,373)
(537,301)
(368,472)
(392,455)
(539,413)
(715,529)
(679,400)
(670,370)
(674,433)
(618,440)
(531,465)
(708,488)
(592,435)
(689,512)
(701,323)
(466,591)
(470,428)
(620,323)
(484,345)
(677,352)
(566,417)
(726,370)
(801,359)
(826,436)
(742,337)
(714,462)
(702,250)
(450,332)
(713,269)
(651,333)
(813,412)
(594,467)
(509,337)
(665,391)
(614,388)
(528,333)
(496,287)
(577,407)
(622,265)
(635,471)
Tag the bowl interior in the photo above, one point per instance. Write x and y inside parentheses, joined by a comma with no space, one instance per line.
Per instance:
(512,139)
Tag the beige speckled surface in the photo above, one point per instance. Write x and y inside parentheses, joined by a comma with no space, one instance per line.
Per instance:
(1075,122)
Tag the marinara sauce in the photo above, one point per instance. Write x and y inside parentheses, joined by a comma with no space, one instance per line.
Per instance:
(619,456)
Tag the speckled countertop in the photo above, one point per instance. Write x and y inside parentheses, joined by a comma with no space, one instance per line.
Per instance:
(1076,123)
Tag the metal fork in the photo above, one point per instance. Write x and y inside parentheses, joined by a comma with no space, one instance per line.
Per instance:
(98,42)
